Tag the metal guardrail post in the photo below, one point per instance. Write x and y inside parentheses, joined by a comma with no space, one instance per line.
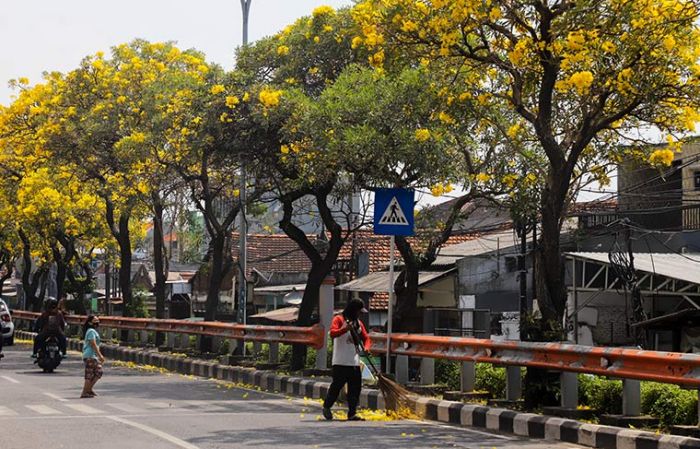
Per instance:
(514,388)
(427,371)
(274,356)
(569,389)
(631,397)
(401,366)
(468,376)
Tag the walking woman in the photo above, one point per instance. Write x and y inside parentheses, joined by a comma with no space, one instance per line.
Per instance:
(92,356)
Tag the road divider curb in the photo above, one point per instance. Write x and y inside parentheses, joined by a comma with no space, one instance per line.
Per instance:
(527,425)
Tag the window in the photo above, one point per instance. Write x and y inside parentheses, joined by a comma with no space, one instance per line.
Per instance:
(697,180)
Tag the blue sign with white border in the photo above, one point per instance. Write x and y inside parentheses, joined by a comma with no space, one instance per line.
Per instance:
(393,211)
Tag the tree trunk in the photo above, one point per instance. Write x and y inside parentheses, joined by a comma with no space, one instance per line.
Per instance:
(124,241)
(159,264)
(309,303)
(551,283)
(407,317)
(216,277)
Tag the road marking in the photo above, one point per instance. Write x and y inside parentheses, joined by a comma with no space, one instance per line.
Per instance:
(166,436)
(4,411)
(82,408)
(9,379)
(124,407)
(465,429)
(58,398)
(43,409)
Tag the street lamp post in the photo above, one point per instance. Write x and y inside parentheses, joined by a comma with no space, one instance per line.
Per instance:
(243,228)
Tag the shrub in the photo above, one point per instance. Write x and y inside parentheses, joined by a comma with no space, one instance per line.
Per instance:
(670,403)
(605,395)
(492,379)
(448,372)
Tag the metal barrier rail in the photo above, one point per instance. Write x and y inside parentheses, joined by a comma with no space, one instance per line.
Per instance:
(310,336)
(667,367)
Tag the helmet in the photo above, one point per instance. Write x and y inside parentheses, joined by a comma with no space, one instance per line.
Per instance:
(51,303)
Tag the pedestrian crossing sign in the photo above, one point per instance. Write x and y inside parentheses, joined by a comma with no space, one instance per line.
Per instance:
(393,211)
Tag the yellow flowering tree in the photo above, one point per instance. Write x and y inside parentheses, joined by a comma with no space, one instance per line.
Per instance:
(363,126)
(579,78)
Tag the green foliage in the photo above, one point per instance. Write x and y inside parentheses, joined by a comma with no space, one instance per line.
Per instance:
(448,372)
(670,403)
(138,308)
(492,379)
(600,394)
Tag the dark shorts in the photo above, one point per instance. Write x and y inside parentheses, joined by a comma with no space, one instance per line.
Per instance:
(93,369)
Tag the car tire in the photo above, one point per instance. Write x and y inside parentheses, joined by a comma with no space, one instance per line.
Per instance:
(10,341)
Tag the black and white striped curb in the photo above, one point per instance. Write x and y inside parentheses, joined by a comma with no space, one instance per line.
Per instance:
(527,425)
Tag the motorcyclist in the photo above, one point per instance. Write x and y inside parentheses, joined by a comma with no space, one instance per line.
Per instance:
(50,323)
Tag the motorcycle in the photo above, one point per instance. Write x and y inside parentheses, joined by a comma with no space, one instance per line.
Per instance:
(49,355)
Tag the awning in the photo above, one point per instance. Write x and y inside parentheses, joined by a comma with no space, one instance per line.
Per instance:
(280,289)
(683,267)
(379,281)
(283,315)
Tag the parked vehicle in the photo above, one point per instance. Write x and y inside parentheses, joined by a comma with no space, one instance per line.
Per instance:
(7,327)
(49,355)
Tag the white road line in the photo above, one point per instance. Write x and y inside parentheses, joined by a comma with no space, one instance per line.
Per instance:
(9,379)
(58,398)
(459,428)
(124,407)
(82,408)
(166,436)
(43,409)
(4,411)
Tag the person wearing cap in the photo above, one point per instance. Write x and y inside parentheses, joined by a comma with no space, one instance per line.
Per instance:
(348,333)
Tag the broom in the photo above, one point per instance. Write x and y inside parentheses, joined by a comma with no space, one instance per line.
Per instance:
(396,397)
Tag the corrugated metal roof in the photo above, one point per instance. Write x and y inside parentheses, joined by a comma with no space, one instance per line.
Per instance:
(684,267)
(280,288)
(379,281)
(489,243)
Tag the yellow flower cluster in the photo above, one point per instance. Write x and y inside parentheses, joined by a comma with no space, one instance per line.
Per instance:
(422,134)
(441,189)
(662,157)
(283,50)
(269,97)
(217,89)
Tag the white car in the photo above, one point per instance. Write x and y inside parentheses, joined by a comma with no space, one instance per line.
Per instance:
(7,327)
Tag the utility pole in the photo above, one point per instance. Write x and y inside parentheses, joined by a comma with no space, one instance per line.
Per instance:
(522,230)
(243,228)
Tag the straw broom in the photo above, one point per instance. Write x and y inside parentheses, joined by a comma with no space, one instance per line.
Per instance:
(396,397)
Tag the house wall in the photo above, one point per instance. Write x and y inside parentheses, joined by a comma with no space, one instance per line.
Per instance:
(610,327)
(493,280)
(440,293)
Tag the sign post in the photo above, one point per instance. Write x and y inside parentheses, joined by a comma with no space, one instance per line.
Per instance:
(393,215)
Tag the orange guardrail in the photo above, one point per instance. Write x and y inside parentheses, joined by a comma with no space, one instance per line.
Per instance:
(667,367)
(310,336)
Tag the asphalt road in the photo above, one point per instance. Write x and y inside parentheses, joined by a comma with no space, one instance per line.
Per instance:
(143,409)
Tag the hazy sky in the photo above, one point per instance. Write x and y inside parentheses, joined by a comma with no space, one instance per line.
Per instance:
(46,35)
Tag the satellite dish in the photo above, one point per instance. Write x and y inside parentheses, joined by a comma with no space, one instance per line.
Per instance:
(293,298)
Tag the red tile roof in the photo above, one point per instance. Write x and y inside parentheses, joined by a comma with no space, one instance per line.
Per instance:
(279,253)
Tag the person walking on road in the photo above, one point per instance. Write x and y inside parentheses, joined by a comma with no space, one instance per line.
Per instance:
(346,328)
(92,356)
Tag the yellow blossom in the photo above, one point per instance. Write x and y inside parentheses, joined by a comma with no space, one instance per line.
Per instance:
(483,177)
(232,101)
(217,89)
(282,50)
(270,98)
(661,157)
(422,134)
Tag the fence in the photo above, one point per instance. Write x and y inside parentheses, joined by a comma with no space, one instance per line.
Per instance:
(630,365)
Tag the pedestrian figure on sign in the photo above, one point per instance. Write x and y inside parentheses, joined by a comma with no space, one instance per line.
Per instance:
(394,216)
(345,328)
(92,356)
